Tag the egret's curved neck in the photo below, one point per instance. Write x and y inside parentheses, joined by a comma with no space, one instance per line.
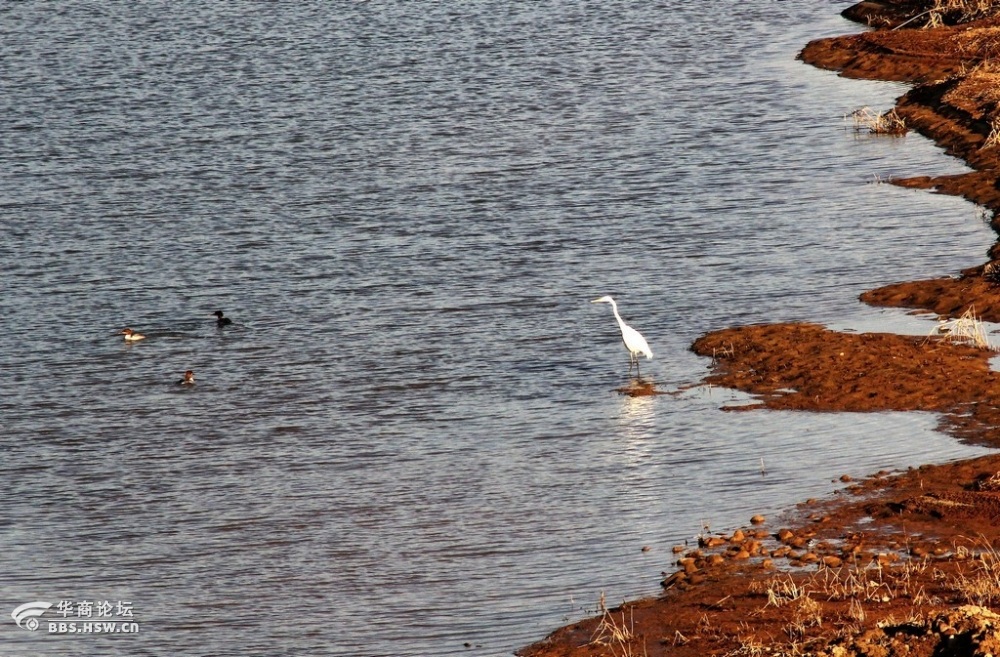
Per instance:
(614,309)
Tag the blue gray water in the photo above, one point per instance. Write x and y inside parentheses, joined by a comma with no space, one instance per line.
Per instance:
(409,441)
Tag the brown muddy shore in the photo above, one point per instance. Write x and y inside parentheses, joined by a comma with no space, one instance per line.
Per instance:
(899,564)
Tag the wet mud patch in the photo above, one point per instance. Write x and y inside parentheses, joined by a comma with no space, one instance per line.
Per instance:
(641,388)
(808,367)
(949,297)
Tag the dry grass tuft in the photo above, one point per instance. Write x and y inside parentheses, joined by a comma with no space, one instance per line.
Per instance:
(935,18)
(873,583)
(967,329)
(807,613)
(980,42)
(977,90)
(749,648)
(970,10)
(990,483)
(857,611)
(843,610)
(980,586)
(953,12)
(617,635)
(875,123)
(783,589)
(993,139)
(723,352)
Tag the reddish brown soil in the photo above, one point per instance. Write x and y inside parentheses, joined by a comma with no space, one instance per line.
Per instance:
(893,566)
(807,367)
(949,297)
(957,104)
(640,388)
(880,573)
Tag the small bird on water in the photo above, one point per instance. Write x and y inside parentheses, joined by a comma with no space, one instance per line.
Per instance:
(221,321)
(130,335)
(188,379)
(634,342)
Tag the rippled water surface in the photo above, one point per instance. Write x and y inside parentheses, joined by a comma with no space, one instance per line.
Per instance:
(409,442)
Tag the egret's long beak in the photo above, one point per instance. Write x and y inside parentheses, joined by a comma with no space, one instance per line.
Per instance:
(596,301)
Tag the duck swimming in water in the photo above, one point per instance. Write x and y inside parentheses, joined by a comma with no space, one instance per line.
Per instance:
(130,335)
(221,321)
(188,379)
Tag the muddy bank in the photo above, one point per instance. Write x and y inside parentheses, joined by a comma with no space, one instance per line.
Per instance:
(955,102)
(807,367)
(904,564)
(899,565)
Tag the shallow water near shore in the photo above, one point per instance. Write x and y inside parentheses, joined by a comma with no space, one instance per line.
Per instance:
(409,442)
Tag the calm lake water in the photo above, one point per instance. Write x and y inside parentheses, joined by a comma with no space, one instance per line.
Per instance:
(409,443)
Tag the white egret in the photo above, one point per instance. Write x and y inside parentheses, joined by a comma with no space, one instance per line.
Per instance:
(634,342)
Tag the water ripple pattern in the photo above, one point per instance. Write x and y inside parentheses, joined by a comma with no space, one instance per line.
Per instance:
(408,443)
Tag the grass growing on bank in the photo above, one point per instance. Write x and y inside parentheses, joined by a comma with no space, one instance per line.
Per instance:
(981,584)
(953,12)
(618,635)
(967,329)
(828,611)
(962,11)
(993,139)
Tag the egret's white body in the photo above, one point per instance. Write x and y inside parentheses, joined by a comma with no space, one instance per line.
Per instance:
(634,342)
